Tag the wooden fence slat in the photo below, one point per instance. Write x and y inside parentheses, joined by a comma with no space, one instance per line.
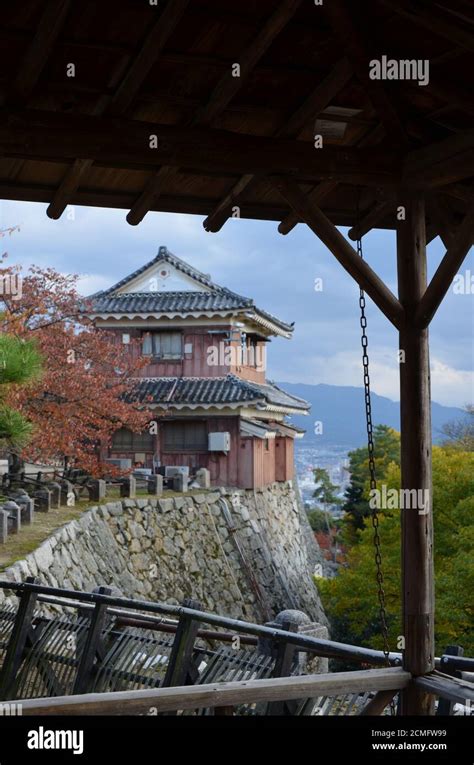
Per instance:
(91,644)
(179,664)
(17,641)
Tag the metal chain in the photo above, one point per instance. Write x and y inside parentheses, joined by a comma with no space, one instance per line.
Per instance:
(373,479)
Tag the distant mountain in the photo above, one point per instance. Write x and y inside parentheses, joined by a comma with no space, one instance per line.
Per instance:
(341,410)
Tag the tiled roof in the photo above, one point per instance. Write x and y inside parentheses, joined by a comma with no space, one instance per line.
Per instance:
(169,302)
(180,303)
(193,391)
(165,256)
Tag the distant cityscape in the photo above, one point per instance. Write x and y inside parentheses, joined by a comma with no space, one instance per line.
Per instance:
(334,459)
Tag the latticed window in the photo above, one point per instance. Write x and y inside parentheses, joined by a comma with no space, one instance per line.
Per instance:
(163,345)
(184,436)
(125,441)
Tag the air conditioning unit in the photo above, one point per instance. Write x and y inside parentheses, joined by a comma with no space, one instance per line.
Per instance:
(219,442)
(168,471)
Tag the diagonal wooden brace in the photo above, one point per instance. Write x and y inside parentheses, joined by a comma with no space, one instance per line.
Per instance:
(364,275)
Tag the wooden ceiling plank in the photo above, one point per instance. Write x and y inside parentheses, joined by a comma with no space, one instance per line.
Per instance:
(327,232)
(353,38)
(123,96)
(318,100)
(223,93)
(447,270)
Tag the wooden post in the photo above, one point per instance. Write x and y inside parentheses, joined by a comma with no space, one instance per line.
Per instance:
(415,414)
(182,650)
(91,644)
(285,655)
(17,641)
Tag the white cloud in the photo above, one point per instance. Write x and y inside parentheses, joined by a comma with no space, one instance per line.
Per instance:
(451,387)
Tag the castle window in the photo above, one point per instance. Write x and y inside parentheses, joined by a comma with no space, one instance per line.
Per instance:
(184,436)
(124,440)
(163,345)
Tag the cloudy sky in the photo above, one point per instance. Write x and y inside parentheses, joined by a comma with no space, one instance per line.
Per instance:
(279,272)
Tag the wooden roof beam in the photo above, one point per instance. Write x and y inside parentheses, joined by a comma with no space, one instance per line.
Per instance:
(222,94)
(123,96)
(447,270)
(319,99)
(326,187)
(36,134)
(354,38)
(441,163)
(327,232)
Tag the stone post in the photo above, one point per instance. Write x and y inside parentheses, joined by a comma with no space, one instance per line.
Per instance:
(14,514)
(128,487)
(180,482)
(42,500)
(55,490)
(3,526)
(203,477)
(97,490)
(155,485)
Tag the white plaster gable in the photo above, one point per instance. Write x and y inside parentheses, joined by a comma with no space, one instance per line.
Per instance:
(163,277)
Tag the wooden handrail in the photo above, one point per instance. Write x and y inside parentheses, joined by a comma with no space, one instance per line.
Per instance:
(219,694)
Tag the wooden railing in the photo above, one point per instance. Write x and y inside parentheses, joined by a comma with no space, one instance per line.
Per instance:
(175,694)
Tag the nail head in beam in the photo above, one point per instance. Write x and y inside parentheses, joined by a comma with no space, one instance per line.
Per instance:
(341,249)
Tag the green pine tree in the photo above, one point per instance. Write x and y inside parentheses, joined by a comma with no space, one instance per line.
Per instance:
(20,364)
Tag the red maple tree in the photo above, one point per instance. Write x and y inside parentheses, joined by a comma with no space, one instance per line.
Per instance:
(78,402)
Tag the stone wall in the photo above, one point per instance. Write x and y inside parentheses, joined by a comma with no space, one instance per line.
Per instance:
(241,553)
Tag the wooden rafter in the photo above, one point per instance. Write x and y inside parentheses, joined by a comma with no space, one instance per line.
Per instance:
(364,275)
(57,137)
(437,21)
(39,50)
(222,94)
(120,101)
(447,270)
(376,213)
(323,94)
(354,38)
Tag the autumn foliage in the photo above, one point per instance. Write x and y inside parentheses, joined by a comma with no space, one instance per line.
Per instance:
(78,402)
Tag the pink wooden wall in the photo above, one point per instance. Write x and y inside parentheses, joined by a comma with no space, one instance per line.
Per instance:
(194,364)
